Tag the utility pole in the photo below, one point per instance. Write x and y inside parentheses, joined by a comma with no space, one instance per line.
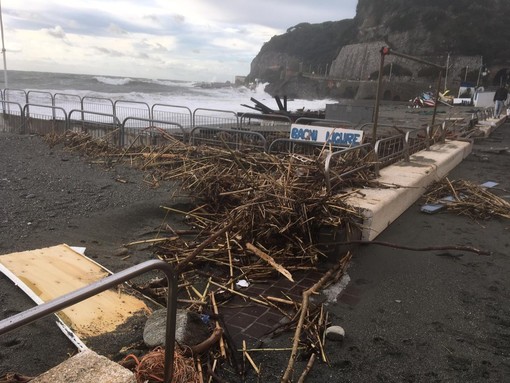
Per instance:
(446,72)
(3,46)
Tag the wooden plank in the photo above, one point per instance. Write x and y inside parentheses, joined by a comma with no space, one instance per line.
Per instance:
(54,271)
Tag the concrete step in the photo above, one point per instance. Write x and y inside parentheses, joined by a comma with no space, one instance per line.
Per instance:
(87,367)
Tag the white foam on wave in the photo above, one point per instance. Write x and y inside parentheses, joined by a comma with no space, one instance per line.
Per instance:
(187,94)
(113,80)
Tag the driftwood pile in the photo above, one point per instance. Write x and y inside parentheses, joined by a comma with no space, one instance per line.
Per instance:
(256,216)
(468,199)
(273,204)
(270,209)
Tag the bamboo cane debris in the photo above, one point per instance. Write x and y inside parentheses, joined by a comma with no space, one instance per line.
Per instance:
(326,278)
(469,199)
(277,201)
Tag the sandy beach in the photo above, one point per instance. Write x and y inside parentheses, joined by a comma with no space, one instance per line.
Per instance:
(409,316)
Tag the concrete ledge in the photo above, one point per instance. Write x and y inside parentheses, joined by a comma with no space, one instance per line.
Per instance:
(87,367)
(406,181)
(489,125)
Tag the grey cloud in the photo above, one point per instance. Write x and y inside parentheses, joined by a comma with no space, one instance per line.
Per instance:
(57,32)
(109,52)
(116,30)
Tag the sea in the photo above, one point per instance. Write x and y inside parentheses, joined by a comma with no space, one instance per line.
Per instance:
(191,94)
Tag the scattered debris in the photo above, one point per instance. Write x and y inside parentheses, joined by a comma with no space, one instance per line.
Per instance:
(151,367)
(336,333)
(469,199)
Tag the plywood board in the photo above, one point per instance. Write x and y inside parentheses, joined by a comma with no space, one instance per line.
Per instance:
(54,271)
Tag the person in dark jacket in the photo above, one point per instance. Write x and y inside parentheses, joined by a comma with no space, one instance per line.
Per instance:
(499,100)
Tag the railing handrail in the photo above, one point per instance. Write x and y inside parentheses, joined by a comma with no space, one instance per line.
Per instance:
(113,116)
(305,143)
(323,121)
(236,132)
(31,315)
(327,162)
(153,121)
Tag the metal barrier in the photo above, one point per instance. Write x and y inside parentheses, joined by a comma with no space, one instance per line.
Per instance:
(388,151)
(98,125)
(361,155)
(148,125)
(311,148)
(67,101)
(98,105)
(271,126)
(437,133)
(416,140)
(137,109)
(15,95)
(48,308)
(324,122)
(44,123)
(13,118)
(217,118)
(181,115)
(232,138)
(39,97)
(384,130)
(150,132)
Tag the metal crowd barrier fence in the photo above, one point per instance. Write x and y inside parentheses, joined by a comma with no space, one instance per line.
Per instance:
(288,145)
(437,133)
(51,307)
(232,138)
(98,104)
(67,101)
(324,122)
(416,140)
(100,117)
(215,118)
(356,158)
(55,120)
(98,125)
(39,97)
(389,150)
(149,132)
(124,109)
(13,118)
(15,95)
(181,115)
(271,126)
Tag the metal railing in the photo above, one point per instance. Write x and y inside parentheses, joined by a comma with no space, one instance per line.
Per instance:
(181,115)
(288,145)
(389,150)
(232,138)
(57,304)
(36,120)
(97,125)
(361,154)
(153,125)
(324,122)
(12,119)
(149,132)
(226,119)
(416,140)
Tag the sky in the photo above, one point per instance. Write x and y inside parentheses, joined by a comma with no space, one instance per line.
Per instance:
(193,40)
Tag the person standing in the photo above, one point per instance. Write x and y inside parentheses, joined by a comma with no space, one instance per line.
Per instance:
(499,100)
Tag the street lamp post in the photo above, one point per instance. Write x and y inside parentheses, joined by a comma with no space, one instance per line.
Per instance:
(3,47)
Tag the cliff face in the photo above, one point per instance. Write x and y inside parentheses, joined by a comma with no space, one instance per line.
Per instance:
(465,33)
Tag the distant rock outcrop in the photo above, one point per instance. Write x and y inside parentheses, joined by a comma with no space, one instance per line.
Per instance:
(311,60)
